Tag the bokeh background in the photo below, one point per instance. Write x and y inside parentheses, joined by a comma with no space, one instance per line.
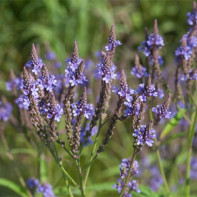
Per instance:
(60,23)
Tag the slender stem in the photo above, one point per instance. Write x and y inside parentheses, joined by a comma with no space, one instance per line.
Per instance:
(135,151)
(93,156)
(68,175)
(190,140)
(162,169)
(82,188)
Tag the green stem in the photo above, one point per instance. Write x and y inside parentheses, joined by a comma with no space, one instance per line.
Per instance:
(135,151)
(93,156)
(82,188)
(190,140)
(162,170)
(68,175)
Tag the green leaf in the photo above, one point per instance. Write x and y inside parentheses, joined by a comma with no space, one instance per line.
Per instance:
(173,122)
(13,186)
(43,168)
(101,186)
(24,151)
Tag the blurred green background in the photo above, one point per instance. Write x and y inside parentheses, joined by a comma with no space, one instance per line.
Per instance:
(60,23)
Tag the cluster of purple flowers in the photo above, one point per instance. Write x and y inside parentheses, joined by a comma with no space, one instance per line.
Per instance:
(188,45)
(5,111)
(15,83)
(45,82)
(83,133)
(144,136)
(124,170)
(193,171)
(86,109)
(35,187)
(106,72)
(138,72)
(161,112)
(35,65)
(154,41)
(74,72)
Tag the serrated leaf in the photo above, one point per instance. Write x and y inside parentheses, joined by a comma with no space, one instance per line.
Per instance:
(172,123)
(13,186)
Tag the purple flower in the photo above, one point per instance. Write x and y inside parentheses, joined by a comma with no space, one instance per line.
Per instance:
(113,43)
(124,170)
(12,84)
(35,65)
(23,102)
(5,111)
(160,60)
(144,136)
(57,64)
(183,51)
(132,109)
(32,183)
(46,190)
(83,133)
(106,72)
(72,75)
(160,93)
(192,18)
(161,112)
(155,40)
(50,55)
(146,92)
(139,73)
(156,181)
(87,110)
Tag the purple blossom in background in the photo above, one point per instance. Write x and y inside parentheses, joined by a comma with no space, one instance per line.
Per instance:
(155,40)
(50,55)
(183,51)
(23,102)
(124,170)
(5,111)
(160,93)
(57,64)
(192,76)
(46,190)
(32,183)
(156,181)
(83,133)
(160,60)
(144,136)
(193,171)
(139,73)
(10,85)
(192,17)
